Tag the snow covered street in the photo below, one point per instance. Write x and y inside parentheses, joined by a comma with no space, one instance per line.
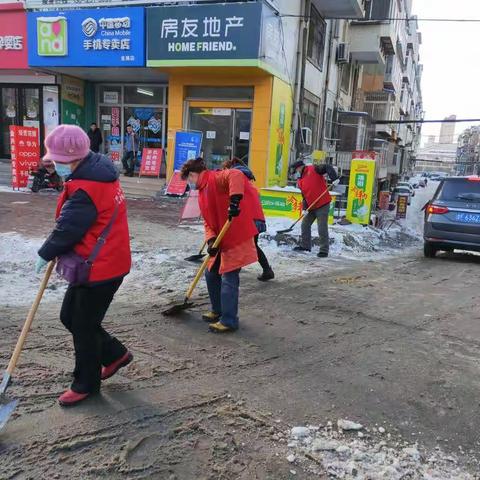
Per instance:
(375,334)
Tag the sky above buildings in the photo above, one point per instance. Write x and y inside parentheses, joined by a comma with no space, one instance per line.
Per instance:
(450,53)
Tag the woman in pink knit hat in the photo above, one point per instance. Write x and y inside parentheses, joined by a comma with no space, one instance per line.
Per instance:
(92,246)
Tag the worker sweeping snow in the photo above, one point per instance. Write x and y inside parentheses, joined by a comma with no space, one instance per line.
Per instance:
(92,245)
(316,199)
(222,195)
(258,215)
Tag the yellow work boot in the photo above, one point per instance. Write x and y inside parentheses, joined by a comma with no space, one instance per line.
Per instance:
(219,327)
(210,317)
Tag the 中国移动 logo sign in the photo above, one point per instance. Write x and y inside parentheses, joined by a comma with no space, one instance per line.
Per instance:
(52,36)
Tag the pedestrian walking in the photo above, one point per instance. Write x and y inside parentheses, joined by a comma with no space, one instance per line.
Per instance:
(130,152)
(92,246)
(312,183)
(224,194)
(259,218)
(95,136)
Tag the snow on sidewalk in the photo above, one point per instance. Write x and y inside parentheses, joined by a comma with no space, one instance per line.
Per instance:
(367,454)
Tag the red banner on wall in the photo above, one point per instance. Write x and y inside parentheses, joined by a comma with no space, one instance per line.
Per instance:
(25,150)
(151,162)
(13,36)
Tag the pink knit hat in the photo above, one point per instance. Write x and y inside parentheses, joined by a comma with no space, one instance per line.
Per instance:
(66,144)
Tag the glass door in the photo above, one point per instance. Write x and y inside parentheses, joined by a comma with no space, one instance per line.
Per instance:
(226,133)
(10,115)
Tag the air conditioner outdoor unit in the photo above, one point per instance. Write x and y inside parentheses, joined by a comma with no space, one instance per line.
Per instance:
(343,53)
(307,136)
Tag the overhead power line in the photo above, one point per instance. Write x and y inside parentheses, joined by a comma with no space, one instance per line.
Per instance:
(419,120)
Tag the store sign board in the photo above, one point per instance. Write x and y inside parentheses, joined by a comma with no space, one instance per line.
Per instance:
(277,203)
(56,4)
(200,33)
(151,162)
(176,186)
(188,145)
(280,126)
(402,206)
(360,190)
(87,38)
(13,39)
(25,150)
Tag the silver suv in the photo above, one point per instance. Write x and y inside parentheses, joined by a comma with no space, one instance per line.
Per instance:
(452,217)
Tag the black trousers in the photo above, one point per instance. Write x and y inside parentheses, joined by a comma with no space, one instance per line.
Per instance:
(128,161)
(83,310)
(262,259)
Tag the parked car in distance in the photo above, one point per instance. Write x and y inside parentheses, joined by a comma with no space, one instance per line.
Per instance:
(402,190)
(452,217)
(407,185)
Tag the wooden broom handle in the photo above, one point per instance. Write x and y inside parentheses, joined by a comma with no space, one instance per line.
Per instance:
(29,320)
(202,269)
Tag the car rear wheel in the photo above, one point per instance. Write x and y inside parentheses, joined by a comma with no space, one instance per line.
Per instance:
(429,250)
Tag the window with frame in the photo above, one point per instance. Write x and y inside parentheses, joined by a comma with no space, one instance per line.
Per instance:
(316,38)
(310,112)
(346,77)
(377,9)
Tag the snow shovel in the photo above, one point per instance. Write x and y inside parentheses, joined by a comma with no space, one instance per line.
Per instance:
(303,214)
(8,406)
(179,307)
(198,256)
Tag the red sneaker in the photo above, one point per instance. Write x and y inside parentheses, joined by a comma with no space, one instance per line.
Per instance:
(114,367)
(70,398)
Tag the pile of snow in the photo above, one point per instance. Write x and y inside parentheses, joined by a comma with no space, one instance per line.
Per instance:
(350,452)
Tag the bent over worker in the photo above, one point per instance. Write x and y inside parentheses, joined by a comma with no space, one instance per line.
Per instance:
(316,198)
(222,195)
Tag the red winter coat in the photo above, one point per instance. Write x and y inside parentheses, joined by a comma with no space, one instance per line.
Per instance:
(114,259)
(312,185)
(215,188)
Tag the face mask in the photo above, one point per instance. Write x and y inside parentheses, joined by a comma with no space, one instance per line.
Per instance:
(297,175)
(192,186)
(63,170)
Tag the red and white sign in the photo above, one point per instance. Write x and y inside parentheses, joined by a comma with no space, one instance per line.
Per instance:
(13,36)
(364,155)
(177,186)
(151,162)
(25,150)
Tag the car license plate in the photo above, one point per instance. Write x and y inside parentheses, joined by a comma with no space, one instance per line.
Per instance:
(467,218)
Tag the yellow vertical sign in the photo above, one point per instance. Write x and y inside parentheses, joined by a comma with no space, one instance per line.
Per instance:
(280,126)
(360,191)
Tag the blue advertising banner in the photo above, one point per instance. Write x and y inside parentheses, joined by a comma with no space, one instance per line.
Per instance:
(202,33)
(188,145)
(110,37)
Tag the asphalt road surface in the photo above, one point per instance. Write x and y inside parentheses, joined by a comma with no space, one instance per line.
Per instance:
(393,342)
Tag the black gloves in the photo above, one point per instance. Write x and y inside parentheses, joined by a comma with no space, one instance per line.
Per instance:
(210,250)
(234,209)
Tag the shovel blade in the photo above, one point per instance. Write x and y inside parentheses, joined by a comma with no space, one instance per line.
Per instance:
(6,410)
(177,308)
(285,231)
(195,258)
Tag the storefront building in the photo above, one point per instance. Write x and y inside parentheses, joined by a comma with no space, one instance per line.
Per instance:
(27,98)
(214,68)
(227,80)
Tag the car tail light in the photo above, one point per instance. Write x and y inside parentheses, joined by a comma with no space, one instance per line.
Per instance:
(437,210)
(473,178)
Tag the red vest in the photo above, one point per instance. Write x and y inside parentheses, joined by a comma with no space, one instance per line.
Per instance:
(214,208)
(312,186)
(114,259)
(257,204)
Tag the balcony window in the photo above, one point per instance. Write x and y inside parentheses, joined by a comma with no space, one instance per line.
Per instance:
(310,113)
(316,38)
(377,9)
(346,76)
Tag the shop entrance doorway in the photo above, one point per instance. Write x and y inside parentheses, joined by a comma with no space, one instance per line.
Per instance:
(226,132)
